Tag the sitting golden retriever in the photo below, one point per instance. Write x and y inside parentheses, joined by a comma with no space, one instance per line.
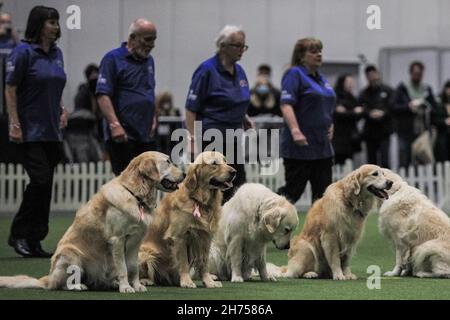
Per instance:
(184,225)
(103,240)
(333,226)
(250,219)
(420,231)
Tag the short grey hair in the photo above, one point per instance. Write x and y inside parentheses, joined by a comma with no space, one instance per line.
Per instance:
(225,34)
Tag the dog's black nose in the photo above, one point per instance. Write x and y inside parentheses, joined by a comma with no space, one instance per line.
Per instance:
(288,246)
(232,173)
(389,184)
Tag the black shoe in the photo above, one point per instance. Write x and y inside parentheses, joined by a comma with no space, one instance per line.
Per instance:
(38,252)
(21,247)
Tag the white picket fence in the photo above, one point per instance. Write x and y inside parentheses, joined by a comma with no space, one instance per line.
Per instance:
(75,184)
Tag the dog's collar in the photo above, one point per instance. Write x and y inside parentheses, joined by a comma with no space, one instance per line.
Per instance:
(141,203)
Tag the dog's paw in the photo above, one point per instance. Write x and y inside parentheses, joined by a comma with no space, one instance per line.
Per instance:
(269,277)
(350,276)
(78,287)
(214,277)
(187,284)
(138,287)
(146,282)
(339,276)
(237,279)
(392,273)
(213,284)
(126,289)
(310,275)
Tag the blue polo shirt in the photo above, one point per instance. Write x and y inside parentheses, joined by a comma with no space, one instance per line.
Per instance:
(219,98)
(130,83)
(313,100)
(40,80)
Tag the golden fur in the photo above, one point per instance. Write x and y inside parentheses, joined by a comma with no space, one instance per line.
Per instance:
(177,240)
(254,216)
(419,230)
(104,238)
(334,225)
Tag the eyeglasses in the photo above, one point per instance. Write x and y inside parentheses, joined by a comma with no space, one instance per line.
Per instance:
(239,46)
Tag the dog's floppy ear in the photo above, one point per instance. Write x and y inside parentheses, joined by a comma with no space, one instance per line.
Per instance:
(191,180)
(354,184)
(148,167)
(272,220)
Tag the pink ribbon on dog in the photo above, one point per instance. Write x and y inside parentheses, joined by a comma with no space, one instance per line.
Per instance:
(196,211)
(141,213)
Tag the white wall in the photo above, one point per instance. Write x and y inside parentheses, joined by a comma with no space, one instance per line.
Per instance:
(187,29)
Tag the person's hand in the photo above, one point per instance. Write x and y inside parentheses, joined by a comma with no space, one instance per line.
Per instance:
(153,129)
(248,123)
(117,132)
(358,109)
(415,104)
(63,119)
(340,109)
(330,133)
(298,137)
(15,133)
(376,114)
(447,121)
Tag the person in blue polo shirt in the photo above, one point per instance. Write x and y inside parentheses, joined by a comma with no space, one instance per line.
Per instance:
(307,103)
(35,81)
(219,96)
(126,95)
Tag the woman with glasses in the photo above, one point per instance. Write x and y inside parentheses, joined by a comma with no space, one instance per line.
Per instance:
(307,103)
(219,96)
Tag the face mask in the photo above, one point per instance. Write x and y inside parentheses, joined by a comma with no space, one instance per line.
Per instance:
(262,89)
(92,85)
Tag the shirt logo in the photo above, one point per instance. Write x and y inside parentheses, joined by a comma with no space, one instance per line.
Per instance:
(59,63)
(243,83)
(285,95)
(150,69)
(383,94)
(10,67)
(192,96)
(328,86)
(101,79)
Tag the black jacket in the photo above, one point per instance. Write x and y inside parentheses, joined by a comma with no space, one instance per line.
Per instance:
(380,97)
(403,116)
(346,136)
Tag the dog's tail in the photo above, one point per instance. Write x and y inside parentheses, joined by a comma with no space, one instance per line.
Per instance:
(278,272)
(23,282)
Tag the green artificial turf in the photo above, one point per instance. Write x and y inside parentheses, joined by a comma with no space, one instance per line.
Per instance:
(373,250)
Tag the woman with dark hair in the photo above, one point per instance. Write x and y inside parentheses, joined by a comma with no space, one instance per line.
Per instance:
(440,119)
(347,139)
(307,103)
(35,80)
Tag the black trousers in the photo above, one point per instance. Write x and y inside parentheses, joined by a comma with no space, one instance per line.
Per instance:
(121,153)
(378,152)
(404,147)
(298,172)
(39,160)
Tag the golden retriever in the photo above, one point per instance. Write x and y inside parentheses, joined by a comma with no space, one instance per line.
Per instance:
(250,219)
(104,238)
(419,230)
(184,225)
(334,225)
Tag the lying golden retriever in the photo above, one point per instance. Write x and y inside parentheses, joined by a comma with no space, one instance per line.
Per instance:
(420,231)
(103,241)
(334,225)
(250,219)
(184,225)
